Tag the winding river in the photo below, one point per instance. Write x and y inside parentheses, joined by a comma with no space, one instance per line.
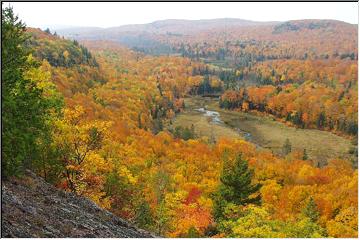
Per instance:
(211,121)
(216,119)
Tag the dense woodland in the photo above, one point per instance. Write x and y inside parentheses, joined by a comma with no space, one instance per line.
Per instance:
(318,94)
(302,39)
(89,117)
(303,72)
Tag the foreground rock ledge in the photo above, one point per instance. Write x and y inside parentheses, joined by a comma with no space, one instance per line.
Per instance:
(33,208)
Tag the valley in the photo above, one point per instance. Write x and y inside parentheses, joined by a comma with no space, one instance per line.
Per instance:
(264,132)
(214,128)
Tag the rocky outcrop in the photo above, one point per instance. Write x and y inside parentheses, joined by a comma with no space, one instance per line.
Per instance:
(33,208)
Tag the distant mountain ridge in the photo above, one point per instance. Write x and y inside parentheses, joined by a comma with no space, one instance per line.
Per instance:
(181,26)
(167,36)
(174,27)
(162,26)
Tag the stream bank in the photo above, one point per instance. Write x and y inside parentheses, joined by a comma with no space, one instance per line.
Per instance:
(211,121)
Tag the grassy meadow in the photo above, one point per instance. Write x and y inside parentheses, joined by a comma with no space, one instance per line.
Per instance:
(265,132)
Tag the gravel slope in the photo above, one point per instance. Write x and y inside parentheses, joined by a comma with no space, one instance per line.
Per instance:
(33,208)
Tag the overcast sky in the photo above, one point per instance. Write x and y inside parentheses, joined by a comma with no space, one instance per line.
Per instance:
(65,14)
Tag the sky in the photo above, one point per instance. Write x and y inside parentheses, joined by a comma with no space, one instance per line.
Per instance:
(111,14)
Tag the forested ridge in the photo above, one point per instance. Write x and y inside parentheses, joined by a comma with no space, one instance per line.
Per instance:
(296,57)
(318,94)
(89,118)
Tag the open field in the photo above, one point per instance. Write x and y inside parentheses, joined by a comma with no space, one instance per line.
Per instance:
(262,131)
(203,125)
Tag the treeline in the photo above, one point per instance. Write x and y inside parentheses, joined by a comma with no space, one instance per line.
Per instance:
(318,94)
(332,73)
(104,141)
(62,54)
(309,105)
(302,40)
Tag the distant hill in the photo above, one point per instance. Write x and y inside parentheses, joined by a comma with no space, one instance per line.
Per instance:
(311,37)
(175,26)
(148,36)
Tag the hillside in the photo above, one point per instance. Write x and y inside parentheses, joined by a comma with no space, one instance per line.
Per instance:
(33,208)
(103,122)
(177,26)
(205,37)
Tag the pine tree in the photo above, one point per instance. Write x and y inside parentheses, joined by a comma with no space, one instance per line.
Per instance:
(13,54)
(144,218)
(321,120)
(193,233)
(311,210)
(236,186)
(305,155)
(25,110)
(287,147)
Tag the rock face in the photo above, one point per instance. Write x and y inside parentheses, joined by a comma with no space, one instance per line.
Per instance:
(33,208)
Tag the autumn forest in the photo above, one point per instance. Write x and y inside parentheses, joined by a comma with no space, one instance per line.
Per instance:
(191,129)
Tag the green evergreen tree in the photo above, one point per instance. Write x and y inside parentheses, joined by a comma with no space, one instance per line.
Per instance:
(287,147)
(321,120)
(25,111)
(305,155)
(144,218)
(205,86)
(311,210)
(236,186)
(193,233)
